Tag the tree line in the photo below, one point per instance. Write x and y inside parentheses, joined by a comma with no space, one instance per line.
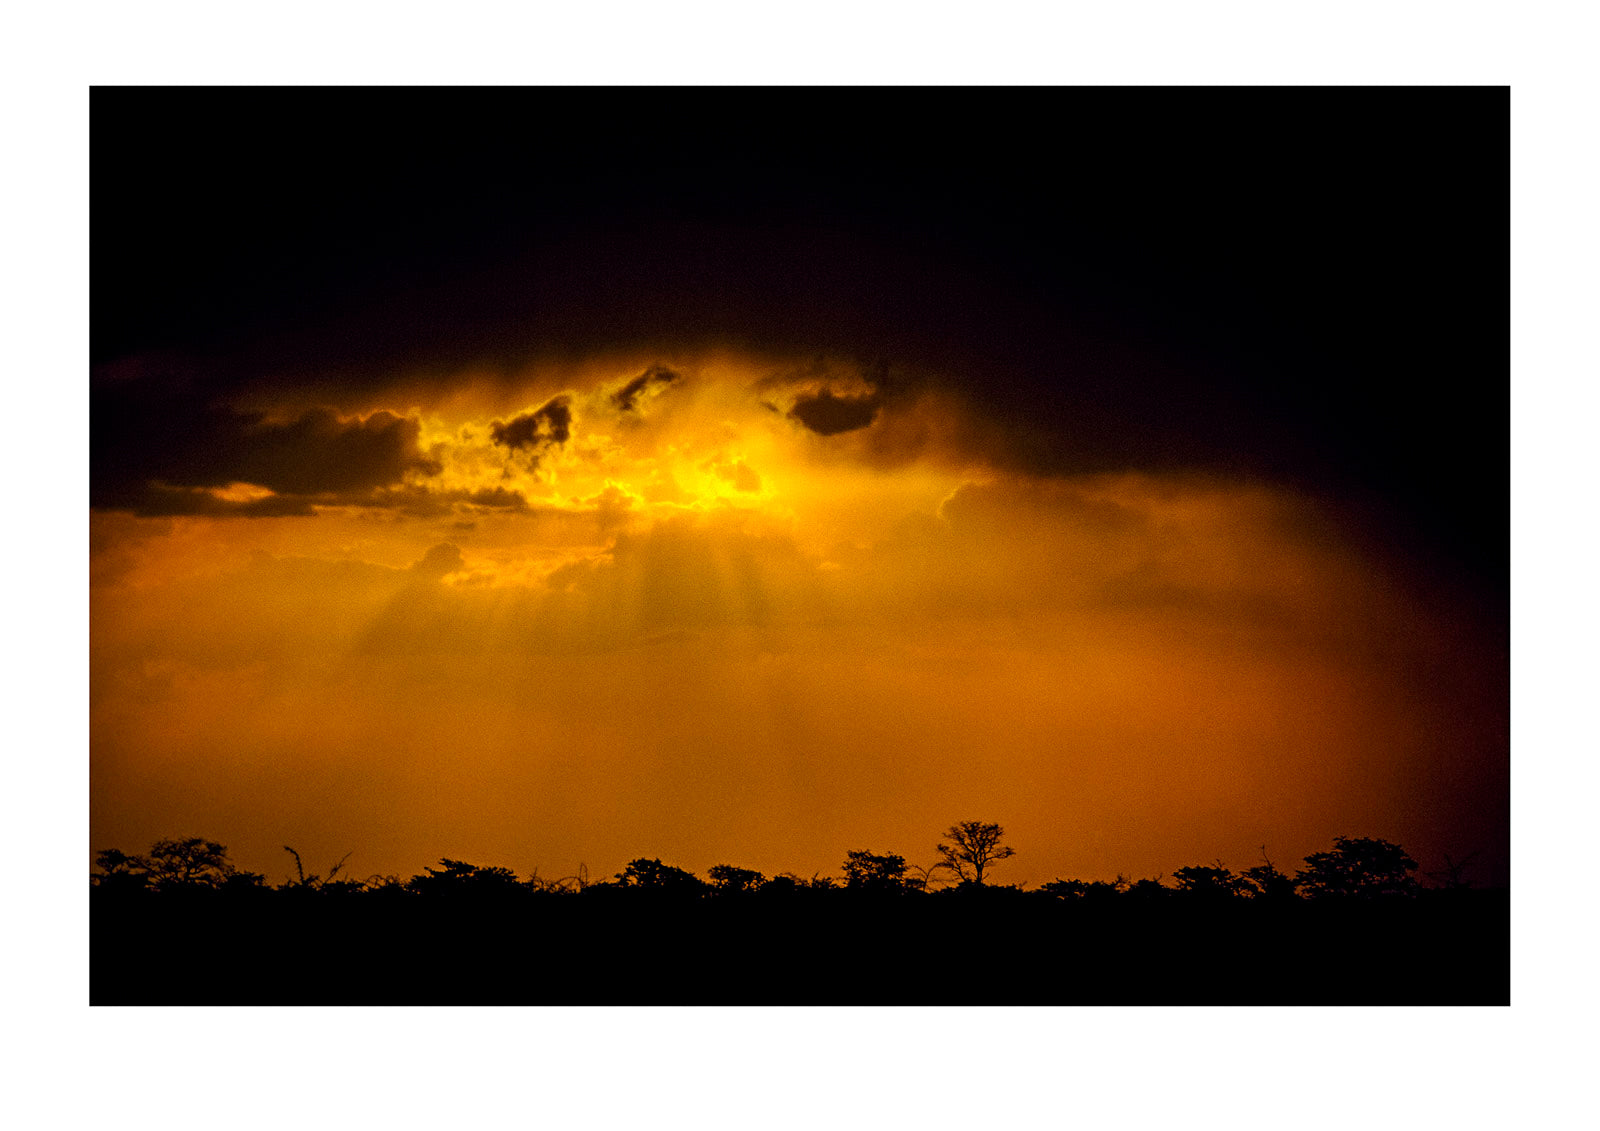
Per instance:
(1361,868)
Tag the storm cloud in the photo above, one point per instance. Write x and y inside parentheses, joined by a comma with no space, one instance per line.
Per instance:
(828,415)
(547,425)
(156,451)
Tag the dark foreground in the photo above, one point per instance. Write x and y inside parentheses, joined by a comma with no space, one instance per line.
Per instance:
(998,948)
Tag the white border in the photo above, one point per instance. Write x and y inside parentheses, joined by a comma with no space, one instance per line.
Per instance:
(1239,1068)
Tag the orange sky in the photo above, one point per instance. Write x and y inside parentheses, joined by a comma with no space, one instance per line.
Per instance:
(729,608)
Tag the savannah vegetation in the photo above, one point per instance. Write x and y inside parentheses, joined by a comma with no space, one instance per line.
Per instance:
(180,923)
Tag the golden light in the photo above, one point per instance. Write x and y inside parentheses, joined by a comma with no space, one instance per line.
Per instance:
(773,609)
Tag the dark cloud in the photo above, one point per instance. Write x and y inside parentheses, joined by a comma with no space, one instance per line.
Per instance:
(157,443)
(625,397)
(828,415)
(547,425)
(319,452)
(162,501)
(416,501)
(495,498)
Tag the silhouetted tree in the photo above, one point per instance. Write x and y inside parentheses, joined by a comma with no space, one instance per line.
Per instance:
(331,883)
(867,871)
(1265,881)
(973,849)
(656,876)
(789,884)
(1148,888)
(1361,867)
(240,880)
(457,878)
(176,864)
(1082,889)
(1208,882)
(728,880)
(119,871)
(783,884)
(190,862)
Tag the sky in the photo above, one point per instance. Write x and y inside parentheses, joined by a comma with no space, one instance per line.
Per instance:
(551,478)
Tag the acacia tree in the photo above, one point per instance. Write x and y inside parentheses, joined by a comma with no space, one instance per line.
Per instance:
(1214,882)
(729,880)
(868,871)
(1265,881)
(175,864)
(1363,867)
(974,847)
(656,876)
(460,879)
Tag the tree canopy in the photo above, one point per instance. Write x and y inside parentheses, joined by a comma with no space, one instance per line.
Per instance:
(1209,882)
(173,864)
(1359,867)
(973,848)
(868,871)
(729,880)
(656,876)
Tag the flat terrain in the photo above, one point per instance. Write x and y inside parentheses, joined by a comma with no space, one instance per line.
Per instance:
(835,948)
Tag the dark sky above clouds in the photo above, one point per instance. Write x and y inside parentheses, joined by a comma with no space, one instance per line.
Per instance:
(1306,284)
